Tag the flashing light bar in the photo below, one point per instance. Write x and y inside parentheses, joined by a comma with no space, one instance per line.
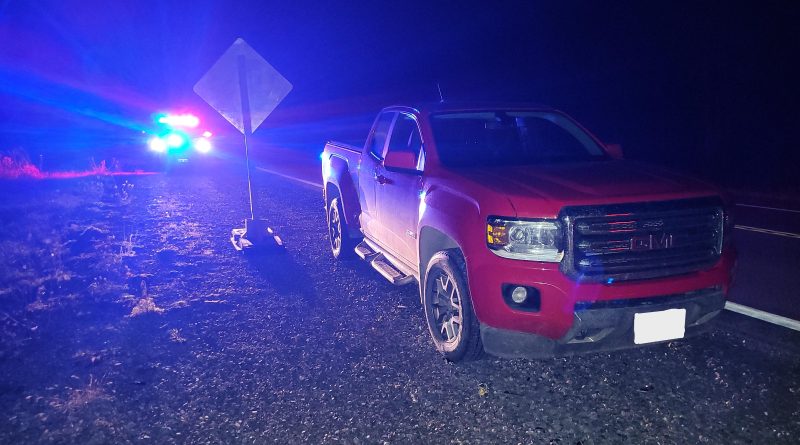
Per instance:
(179,120)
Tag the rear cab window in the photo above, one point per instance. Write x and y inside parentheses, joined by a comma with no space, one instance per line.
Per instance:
(406,138)
(377,140)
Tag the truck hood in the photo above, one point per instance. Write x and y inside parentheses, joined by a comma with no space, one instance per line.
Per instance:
(543,190)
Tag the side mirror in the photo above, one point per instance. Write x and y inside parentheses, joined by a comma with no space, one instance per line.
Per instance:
(400,160)
(615,151)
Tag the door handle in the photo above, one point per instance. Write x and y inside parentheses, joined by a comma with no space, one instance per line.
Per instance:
(381,179)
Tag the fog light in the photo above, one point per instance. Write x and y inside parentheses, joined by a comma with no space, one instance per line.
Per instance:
(519,294)
(521,298)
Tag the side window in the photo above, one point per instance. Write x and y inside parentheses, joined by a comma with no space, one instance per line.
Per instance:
(378,141)
(405,137)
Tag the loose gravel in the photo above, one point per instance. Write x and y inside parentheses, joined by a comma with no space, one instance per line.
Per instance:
(164,334)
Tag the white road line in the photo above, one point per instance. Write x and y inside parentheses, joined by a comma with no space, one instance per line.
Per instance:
(768,208)
(768,231)
(764,316)
(272,172)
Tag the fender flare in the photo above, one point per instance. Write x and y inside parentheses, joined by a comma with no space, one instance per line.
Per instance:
(439,231)
(341,182)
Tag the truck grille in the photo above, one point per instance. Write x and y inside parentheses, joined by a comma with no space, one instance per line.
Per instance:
(642,240)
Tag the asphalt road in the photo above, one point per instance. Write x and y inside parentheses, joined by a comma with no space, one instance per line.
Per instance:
(294,347)
(768,241)
(768,274)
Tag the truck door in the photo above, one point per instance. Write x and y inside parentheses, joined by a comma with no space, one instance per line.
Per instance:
(398,193)
(369,171)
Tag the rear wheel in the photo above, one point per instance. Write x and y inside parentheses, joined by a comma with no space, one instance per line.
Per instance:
(342,244)
(448,308)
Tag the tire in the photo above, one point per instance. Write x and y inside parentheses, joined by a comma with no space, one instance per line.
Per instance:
(341,243)
(446,275)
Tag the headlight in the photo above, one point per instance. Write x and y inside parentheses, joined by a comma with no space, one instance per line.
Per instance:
(202,145)
(525,240)
(157,144)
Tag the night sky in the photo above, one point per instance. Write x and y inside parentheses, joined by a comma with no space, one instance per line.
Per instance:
(706,87)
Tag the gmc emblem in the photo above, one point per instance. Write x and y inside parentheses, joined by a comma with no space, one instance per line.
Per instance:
(652,242)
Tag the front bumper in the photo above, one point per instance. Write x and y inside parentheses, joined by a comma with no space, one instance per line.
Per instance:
(560,296)
(604,325)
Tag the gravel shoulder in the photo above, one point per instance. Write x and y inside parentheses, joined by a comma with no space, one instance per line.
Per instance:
(126,316)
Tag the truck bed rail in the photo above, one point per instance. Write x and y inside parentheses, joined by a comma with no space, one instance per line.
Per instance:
(343,146)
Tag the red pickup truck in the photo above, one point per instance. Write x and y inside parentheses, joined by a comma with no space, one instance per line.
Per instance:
(526,235)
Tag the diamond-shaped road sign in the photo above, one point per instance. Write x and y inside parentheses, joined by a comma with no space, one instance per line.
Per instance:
(244,89)
(241,84)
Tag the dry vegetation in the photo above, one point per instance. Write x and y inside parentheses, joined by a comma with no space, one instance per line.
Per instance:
(78,398)
(71,250)
(126,317)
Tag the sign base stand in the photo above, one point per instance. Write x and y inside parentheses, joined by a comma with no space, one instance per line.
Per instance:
(256,234)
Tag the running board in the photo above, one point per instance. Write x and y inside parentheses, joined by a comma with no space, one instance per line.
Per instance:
(391,273)
(383,264)
(365,252)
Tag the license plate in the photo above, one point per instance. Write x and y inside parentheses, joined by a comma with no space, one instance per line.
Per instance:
(651,327)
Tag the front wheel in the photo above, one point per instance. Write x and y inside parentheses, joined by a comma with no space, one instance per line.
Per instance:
(342,244)
(448,308)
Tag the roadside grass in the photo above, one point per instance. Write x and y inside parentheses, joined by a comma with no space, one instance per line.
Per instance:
(78,398)
(144,306)
(15,164)
(61,242)
(175,336)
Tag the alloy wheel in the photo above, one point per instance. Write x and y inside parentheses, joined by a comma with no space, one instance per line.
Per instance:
(446,308)
(335,227)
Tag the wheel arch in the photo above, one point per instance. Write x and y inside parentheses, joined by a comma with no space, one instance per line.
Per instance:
(340,183)
(432,240)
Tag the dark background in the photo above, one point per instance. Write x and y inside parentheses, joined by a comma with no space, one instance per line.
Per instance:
(706,87)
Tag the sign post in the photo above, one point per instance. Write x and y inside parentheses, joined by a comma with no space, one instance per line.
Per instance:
(244,88)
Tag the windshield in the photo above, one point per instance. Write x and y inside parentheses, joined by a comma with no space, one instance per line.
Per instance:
(509,138)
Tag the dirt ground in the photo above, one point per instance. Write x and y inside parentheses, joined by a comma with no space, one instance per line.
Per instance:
(126,316)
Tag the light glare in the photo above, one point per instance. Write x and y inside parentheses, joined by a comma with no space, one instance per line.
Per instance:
(202,145)
(175,140)
(179,120)
(157,145)
(422,204)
